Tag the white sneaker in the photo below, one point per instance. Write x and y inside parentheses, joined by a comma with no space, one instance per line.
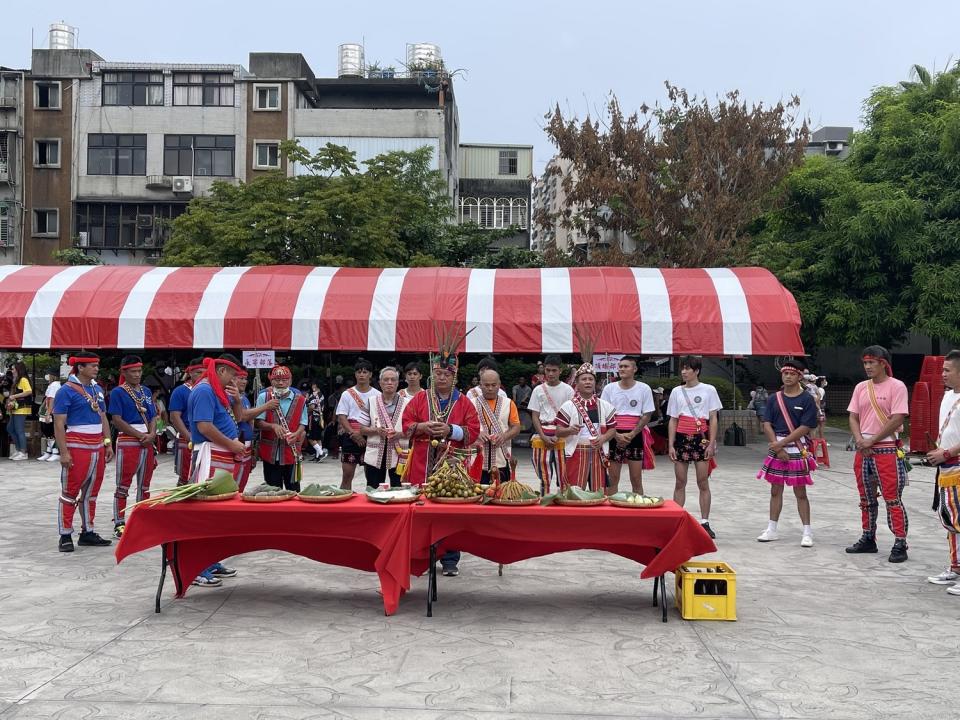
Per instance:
(768,535)
(806,541)
(18,456)
(947,577)
(955,590)
(43,457)
(54,457)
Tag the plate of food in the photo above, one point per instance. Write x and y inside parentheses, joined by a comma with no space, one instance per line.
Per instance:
(264,493)
(635,500)
(316,493)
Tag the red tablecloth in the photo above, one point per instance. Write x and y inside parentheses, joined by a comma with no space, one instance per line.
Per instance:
(661,538)
(357,534)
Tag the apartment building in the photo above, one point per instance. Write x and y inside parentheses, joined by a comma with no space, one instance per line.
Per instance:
(494,188)
(114,151)
(11,163)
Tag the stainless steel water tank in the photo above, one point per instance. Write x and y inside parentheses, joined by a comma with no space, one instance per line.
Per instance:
(351,62)
(62,36)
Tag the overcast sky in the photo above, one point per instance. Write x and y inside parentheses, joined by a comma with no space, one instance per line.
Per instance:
(523,57)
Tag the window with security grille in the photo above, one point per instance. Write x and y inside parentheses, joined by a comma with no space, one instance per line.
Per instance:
(508,162)
(4,225)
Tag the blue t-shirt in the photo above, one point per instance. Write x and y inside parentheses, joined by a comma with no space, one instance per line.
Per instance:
(802,409)
(179,400)
(76,405)
(204,406)
(122,405)
(245,428)
(285,404)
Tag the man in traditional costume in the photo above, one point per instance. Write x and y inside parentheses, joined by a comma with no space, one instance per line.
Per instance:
(545,402)
(439,416)
(245,415)
(499,424)
(282,431)
(877,411)
(134,416)
(633,401)
(353,412)
(386,441)
(587,423)
(946,457)
(789,417)
(83,437)
(692,434)
(180,419)
(215,436)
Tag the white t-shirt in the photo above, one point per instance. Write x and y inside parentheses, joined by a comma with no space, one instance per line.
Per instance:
(52,389)
(950,437)
(540,402)
(703,399)
(348,406)
(630,402)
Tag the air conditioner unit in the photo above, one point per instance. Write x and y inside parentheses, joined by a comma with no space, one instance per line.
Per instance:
(183,185)
(145,222)
(83,239)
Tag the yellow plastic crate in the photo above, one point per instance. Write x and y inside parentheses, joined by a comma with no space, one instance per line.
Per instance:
(706,595)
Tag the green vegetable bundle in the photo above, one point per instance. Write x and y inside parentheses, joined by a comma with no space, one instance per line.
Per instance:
(221,483)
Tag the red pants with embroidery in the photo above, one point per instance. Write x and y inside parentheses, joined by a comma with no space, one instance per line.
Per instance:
(881,473)
(133,460)
(80,484)
(586,470)
(181,460)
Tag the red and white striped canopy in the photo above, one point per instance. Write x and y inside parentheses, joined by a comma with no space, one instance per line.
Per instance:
(713,311)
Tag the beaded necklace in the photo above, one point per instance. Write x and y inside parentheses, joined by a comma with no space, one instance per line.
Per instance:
(436,413)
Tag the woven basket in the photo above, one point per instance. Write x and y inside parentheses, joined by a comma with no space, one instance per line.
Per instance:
(621,503)
(528,501)
(267,498)
(215,498)
(325,498)
(580,503)
(457,501)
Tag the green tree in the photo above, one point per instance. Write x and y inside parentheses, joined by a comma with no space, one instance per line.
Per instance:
(870,245)
(75,256)
(393,212)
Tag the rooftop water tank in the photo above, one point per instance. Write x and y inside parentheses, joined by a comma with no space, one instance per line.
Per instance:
(421,55)
(62,36)
(351,62)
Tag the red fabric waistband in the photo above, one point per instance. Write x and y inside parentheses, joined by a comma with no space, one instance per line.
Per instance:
(692,426)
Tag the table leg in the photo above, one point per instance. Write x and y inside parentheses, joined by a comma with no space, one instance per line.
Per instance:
(500,569)
(432,580)
(656,589)
(175,566)
(662,581)
(163,574)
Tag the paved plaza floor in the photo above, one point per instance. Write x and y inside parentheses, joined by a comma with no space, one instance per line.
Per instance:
(821,634)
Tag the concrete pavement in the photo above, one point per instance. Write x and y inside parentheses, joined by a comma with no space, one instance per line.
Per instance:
(820,634)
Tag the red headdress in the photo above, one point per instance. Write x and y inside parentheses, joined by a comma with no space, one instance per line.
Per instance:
(280,372)
(210,375)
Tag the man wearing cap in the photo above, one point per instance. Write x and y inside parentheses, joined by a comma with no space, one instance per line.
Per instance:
(83,436)
(282,431)
(215,436)
(180,419)
(437,417)
(590,423)
(877,411)
(134,415)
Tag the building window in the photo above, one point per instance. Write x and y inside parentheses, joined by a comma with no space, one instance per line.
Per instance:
(266,155)
(210,89)
(469,211)
(198,155)
(266,97)
(46,95)
(4,158)
(486,213)
(116,154)
(132,88)
(508,162)
(46,223)
(4,225)
(46,153)
(124,225)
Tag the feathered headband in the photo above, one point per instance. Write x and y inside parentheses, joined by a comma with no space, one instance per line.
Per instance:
(448,338)
(585,344)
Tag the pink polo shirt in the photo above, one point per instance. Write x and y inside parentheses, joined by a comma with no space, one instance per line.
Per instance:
(891,397)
